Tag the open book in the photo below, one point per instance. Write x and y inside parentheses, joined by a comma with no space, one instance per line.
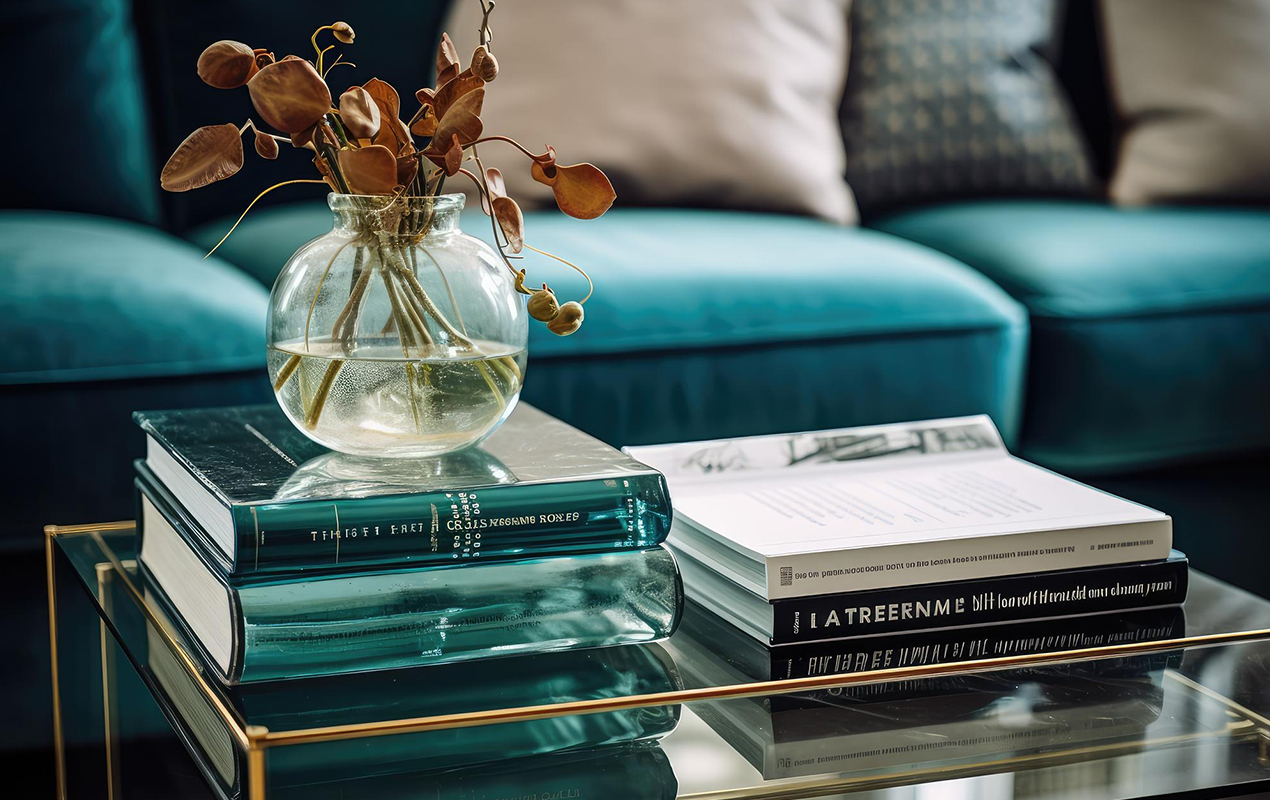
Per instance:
(806,514)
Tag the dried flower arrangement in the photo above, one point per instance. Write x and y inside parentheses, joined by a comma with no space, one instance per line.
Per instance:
(361,146)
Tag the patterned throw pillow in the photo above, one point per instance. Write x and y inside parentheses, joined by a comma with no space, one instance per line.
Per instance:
(952,98)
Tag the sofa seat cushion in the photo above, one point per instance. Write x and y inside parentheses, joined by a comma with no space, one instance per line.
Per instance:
(90,298)
(100,318)
(716,323)
(1150,327)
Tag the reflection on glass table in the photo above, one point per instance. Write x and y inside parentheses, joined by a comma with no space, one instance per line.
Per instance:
(1118,706)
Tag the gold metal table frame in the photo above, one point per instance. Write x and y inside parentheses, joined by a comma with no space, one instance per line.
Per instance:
(254,740)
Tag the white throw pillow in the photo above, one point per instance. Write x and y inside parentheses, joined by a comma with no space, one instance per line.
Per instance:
(1191,83)
(715,103)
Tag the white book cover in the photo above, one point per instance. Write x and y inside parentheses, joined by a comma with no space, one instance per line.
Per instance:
(854,509)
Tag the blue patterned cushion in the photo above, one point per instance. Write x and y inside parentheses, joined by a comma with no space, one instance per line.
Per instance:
(952,98)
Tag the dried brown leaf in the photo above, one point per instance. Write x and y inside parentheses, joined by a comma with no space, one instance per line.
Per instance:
(495,186)
(369,170)
(447,60)
(304,138)
(385,96)
(289,94)
(209,154)
(495,183)
(226,64)
(407,168)
(453,90)
(507,212)
(392,131)
(425,125)
(425,95)
(453,158)
(448,75)
(359,113)
(266,145)
(581,190)
(462,118)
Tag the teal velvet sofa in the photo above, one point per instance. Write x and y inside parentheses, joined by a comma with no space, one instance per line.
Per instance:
(1127,347)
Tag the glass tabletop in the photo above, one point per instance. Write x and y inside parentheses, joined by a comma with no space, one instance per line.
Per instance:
(1121,705)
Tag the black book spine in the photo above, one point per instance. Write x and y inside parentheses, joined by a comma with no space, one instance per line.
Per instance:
(967,644)
(1117,587)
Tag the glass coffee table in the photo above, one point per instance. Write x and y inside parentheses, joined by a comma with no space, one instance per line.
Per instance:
(1145,704)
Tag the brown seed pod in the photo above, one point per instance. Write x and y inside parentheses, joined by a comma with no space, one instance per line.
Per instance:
(568,320)
(484,65)
(543,305)
(343,31)
(226,64)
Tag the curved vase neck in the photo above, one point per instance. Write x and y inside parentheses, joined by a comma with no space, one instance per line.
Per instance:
(404,216)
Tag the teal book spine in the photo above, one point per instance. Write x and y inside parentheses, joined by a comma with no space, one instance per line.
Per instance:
(508,521)
(264,500)
(452,613)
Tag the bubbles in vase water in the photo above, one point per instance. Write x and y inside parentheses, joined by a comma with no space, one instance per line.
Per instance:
(377,401)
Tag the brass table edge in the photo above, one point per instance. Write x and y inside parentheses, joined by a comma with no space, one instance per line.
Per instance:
(63,530)
(254,737)
(244,735)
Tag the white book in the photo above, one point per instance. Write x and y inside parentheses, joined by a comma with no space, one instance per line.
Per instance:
(799,515)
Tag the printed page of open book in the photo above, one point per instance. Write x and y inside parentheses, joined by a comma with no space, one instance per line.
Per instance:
(874,486)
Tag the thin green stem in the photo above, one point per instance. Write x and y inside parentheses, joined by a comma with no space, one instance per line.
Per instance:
(312,306)
(342,331)
(284,374)
(324,391)
(580,271)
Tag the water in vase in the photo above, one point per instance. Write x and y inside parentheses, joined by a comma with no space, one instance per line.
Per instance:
(377,401)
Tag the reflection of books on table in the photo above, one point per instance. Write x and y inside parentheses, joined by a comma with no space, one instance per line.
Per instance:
(638,771)
(849,739)
(422,692)
(923,720)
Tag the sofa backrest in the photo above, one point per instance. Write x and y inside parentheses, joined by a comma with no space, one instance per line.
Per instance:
(113,87)
(394,41)
(72,67)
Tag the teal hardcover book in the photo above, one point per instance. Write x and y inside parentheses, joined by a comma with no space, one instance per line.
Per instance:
(329,623)
(560,745)
(262,499)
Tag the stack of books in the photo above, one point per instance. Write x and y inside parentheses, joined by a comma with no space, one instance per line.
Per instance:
(280,559)
(891,529)
(905,546)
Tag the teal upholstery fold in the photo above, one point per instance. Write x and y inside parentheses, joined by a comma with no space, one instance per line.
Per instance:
(101,317)
(709,323)
(75,98)
(1150,327)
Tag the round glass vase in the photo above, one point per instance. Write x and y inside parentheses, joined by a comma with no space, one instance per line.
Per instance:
(396,334)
